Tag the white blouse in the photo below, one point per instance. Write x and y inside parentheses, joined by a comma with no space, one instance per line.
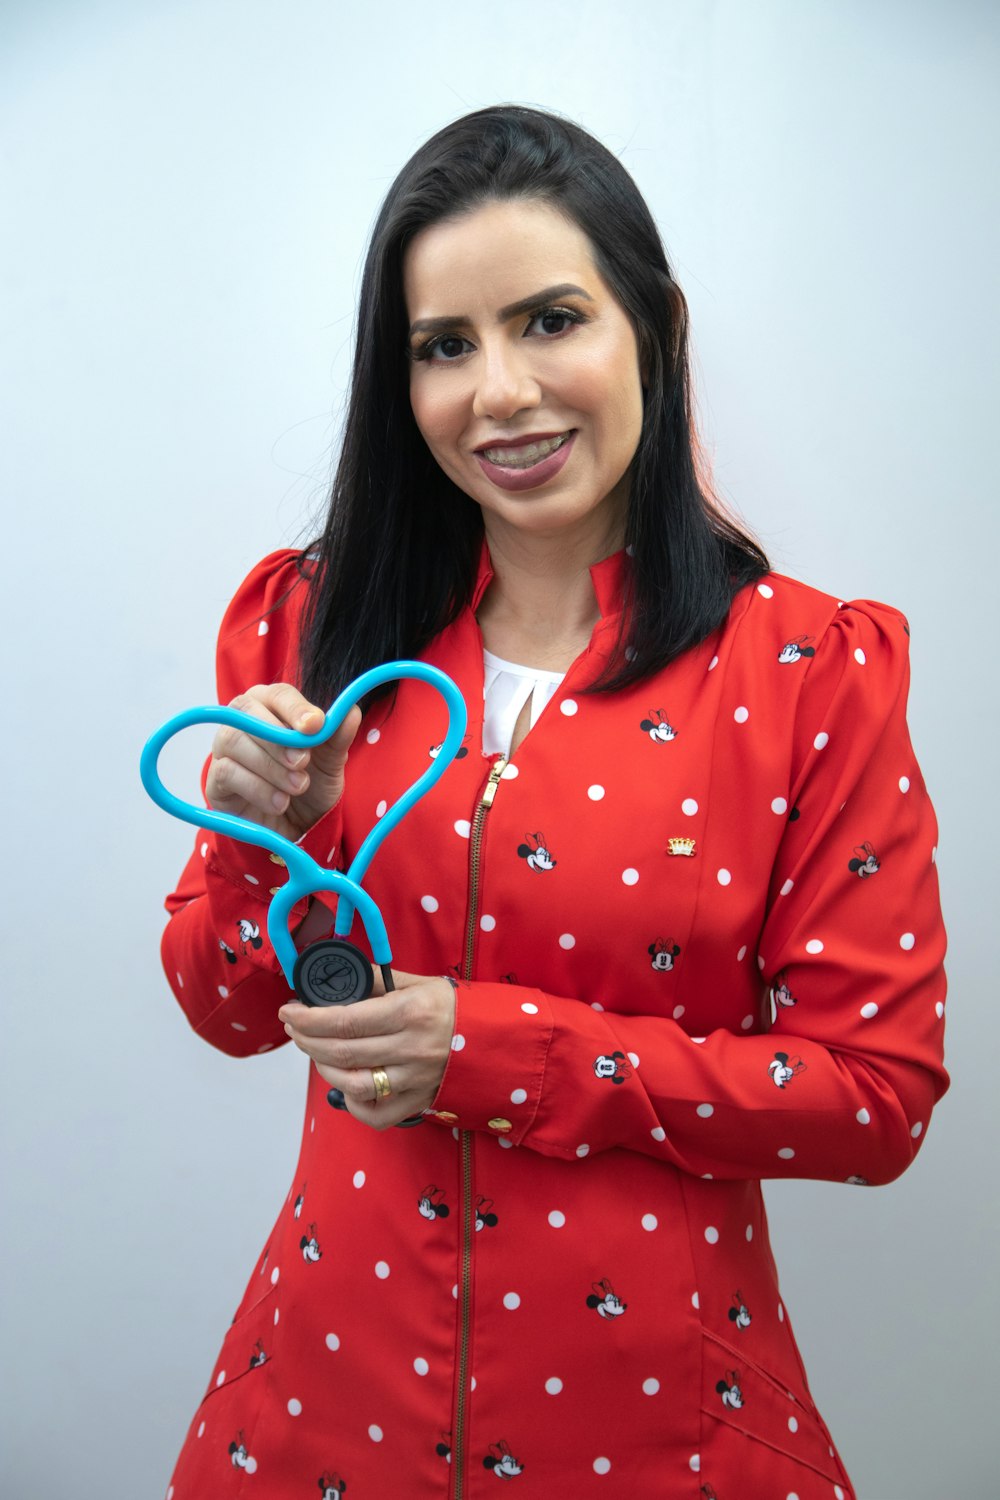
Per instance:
(507,688)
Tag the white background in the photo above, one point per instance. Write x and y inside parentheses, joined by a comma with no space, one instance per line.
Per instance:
(186,193)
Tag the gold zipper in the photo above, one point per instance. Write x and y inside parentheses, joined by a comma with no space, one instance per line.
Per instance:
(465,1143)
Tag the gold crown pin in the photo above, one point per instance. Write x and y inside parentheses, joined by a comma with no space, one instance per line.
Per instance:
(681,846)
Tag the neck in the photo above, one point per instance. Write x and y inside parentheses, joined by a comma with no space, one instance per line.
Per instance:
(540,607)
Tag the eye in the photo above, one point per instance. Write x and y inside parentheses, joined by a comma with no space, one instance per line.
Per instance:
(442,348)
(561,317)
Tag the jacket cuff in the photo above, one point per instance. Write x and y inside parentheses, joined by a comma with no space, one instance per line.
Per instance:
(495,1072)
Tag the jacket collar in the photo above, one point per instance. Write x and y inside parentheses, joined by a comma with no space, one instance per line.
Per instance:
(607,576)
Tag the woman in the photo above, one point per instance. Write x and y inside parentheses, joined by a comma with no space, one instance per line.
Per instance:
(669,927)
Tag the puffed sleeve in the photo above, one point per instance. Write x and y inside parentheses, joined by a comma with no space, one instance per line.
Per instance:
(842,1084)
(216,954)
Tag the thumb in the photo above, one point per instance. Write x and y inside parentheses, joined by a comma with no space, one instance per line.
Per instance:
(329,758)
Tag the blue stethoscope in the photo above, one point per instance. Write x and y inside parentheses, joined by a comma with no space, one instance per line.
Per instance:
(332,971)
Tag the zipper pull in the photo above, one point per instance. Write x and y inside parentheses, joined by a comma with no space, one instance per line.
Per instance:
(490,789)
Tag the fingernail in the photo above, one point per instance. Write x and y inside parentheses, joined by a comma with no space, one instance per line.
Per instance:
(294,757)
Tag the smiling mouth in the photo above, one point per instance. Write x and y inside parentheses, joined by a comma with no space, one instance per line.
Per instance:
(527,456)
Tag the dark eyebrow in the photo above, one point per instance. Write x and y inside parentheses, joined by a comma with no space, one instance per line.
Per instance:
(526,304)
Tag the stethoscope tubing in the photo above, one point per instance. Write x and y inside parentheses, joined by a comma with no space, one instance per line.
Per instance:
(305,876)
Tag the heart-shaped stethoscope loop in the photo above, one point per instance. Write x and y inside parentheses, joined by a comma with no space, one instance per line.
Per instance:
(332,971)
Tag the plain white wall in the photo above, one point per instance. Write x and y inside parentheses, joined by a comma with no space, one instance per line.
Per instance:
(187,190)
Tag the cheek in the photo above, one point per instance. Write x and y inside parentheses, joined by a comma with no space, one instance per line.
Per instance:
(434,411)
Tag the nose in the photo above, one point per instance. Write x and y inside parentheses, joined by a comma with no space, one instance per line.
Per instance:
(505,384)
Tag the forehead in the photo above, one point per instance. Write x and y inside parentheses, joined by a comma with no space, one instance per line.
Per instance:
(493,255)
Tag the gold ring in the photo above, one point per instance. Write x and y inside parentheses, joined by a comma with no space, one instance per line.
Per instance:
(380,1079)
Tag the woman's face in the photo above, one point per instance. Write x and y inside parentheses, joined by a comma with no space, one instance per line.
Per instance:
(525,378)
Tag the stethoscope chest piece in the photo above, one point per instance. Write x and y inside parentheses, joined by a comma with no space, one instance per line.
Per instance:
(332,972)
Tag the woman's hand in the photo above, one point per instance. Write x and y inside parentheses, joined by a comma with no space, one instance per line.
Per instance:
(406,1032)
(287,790)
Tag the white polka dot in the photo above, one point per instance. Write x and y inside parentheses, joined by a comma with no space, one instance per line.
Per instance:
(567,940)
(787,887)
(373,736)
(658,1133)
(487,923)
(786,1153)
(332,1342)
(741,715)
(793,1425)
(694,1462)
(781,1313)
(224,992)
(760,961)
(859,656)
(509,773)
(557,1218)
(934,855)
(869,1010)
(917,1129)
(421,1366)
(742,954)
(180,980)
(518,1096)
(649,1222)
(689,806)
(553,1385)
(677,1012)
(568,707)
(792,1495)
(201,1429)
(529,1008)
(705,1110)
(814,945)
(265,1046)
(381,808)
(629,877)
(294,1407)
(907,941)
(263,627)
(274,1276)
(713,664)
(904,783)
(695,1301)
(779,806)
(822,740)
(463,828)
(747,1022)
(602,1465)
(596,1005)
(939,1010)
(381,1269)
(251,879)
(454,1291)
(723,876)
(595,792)
(838,1493)
(511,1301)
(220,1377)
(863,1117)
(765,590)
(582,1150)
(501,1141)
(457,1042)
(749,1233)
(712,1235)
(237,1026)
(633,1058)
(277,1315)
(429,903)
(358,1179)
(204,851)
(375,1433)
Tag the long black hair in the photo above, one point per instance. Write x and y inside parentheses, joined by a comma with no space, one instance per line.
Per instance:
(397,559)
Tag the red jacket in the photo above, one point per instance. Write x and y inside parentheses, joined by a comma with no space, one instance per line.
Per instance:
(699,943)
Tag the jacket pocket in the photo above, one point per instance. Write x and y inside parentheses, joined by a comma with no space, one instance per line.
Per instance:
(248,1346)
(760,1429)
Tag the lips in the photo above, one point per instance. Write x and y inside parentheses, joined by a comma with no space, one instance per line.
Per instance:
(526,464)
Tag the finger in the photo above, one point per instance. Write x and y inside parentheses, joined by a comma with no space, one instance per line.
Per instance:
(279,705)
(381,1016)
(250,774)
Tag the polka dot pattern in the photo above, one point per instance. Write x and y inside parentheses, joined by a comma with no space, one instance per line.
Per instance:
(689,807)
(553,1385)
(595,793)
